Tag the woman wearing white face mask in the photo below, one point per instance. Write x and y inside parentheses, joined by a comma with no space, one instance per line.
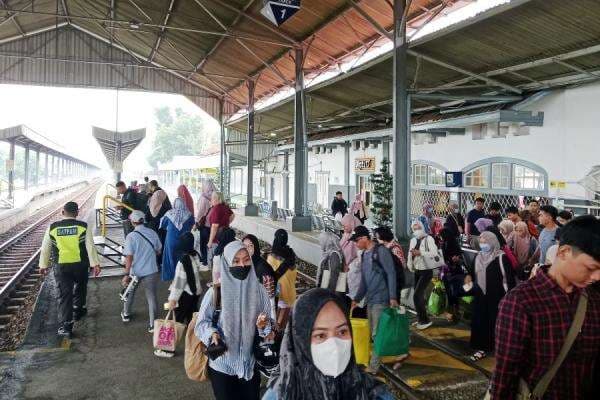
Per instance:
(493,279)
(316,361)
(421,245)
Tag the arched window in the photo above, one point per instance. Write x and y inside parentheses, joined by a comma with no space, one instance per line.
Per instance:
(436,176)
(419,174)
(527,179)
(478,177)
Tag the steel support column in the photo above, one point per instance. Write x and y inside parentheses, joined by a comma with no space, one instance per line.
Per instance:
(36,176)
(11,170)
(300,221)
(385,145)
(222,158)
(347,168)
(401,163)
(286,180)
(52,170)
(26,171)
(251,209)
(46,169)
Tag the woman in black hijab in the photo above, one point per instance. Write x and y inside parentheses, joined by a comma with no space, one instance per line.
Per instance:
(261,267)
(317,361)
(283,261)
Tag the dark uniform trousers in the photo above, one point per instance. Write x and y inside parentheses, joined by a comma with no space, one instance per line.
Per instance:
(71,280)
(71,267)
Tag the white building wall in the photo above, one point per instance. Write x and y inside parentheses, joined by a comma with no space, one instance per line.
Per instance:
(567,147)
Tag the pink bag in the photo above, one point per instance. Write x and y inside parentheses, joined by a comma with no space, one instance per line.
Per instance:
(167,333)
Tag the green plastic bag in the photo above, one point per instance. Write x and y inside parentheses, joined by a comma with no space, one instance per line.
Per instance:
(437,300)
(467,299)
(392,336)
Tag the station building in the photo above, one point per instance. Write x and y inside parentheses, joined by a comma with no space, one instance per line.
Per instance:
(544,146)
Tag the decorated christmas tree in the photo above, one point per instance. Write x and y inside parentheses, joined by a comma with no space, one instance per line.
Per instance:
(383,187)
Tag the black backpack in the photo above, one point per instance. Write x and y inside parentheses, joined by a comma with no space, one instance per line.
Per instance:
(397,265)
(141,201)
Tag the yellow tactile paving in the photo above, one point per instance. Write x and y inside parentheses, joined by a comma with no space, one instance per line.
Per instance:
(435,358)
(442,333)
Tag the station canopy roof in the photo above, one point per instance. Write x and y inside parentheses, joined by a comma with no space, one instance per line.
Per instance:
(24,136)
(111,142)
(509,51)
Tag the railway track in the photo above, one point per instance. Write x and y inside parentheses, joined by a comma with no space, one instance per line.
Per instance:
(405,388)
(19,255)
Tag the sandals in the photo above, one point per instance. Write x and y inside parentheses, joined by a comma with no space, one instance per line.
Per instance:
(478,356)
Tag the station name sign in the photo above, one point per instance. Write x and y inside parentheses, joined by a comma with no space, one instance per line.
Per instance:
(279,11)
(364,164)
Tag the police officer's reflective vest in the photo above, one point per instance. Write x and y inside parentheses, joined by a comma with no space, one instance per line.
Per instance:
(68,242)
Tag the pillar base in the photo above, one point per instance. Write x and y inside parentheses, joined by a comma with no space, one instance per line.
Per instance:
(251,210)
(301,224)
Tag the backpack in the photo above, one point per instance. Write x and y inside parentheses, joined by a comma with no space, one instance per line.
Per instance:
(195,359)
(141,201)
(397,265)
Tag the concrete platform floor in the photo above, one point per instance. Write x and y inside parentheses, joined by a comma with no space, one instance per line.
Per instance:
(106,359)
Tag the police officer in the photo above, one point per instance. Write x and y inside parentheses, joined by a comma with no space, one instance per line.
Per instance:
(68,246)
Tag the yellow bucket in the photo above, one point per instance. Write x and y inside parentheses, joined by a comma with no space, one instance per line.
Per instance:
(361,339)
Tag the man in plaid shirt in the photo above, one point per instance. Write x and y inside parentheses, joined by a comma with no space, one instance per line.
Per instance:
(534,319)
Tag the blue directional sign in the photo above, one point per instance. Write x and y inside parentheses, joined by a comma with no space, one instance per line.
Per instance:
(454,179)
(279,11)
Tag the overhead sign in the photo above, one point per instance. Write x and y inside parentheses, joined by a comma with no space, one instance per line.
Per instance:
(558,185)
(453,179)
(364,164)
(279,11)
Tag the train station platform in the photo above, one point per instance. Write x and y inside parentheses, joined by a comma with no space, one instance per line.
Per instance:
(105,359)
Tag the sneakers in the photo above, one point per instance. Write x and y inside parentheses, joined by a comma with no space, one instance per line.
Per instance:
(163,354)
(424,326)
(125,317)
(150,329)
(64,332)
(79,313)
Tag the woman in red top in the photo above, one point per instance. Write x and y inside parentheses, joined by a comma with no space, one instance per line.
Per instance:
(218,218)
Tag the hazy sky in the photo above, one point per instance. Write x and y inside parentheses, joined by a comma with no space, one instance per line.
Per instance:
(66,116)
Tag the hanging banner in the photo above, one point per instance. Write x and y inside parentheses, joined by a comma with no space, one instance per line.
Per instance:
(279,11)
(364,164)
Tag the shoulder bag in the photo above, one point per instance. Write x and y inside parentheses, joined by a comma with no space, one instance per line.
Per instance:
(433,261)
(523,392)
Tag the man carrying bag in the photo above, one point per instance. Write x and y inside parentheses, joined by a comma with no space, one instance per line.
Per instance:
(548,328)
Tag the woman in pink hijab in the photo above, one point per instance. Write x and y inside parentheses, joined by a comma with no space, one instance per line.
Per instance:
(359,209)
(184,194)
(350,253)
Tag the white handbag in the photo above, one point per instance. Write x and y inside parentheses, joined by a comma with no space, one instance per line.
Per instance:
(340,286)
(433,261)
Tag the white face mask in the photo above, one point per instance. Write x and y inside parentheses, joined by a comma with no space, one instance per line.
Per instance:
(332,356)
(419,233)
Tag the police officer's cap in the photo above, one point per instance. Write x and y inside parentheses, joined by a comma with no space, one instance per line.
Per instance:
(71,207)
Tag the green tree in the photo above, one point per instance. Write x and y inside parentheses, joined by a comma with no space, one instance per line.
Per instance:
(178,134)
(383,189)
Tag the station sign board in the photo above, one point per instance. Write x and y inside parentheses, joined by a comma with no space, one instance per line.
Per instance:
(454,179)
(364,164)
(558,185)
(279,11)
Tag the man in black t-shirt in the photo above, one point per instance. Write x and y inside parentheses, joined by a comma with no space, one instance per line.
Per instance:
(339,205)
(129,198)
(470,228)
(494,213)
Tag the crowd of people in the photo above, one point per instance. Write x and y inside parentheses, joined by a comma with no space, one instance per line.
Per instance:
(534,271)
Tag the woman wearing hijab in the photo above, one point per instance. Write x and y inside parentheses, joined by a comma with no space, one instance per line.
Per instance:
(202,208)
(427,218)
(350,254)
(526,249)
(504,246)
(186,288)
(244,307)
(226,236)
(421,245)
(283,261)
(483,223)
(261,267)
(359,209)
(507,228)
(493,279)
(453,274)
(175,222)
(331,260)
(317,361)
(184,194)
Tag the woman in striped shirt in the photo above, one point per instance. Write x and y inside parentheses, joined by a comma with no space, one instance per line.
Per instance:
(244,307)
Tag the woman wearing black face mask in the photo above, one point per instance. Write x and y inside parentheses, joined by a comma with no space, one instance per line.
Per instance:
(244,307)
(316,361)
